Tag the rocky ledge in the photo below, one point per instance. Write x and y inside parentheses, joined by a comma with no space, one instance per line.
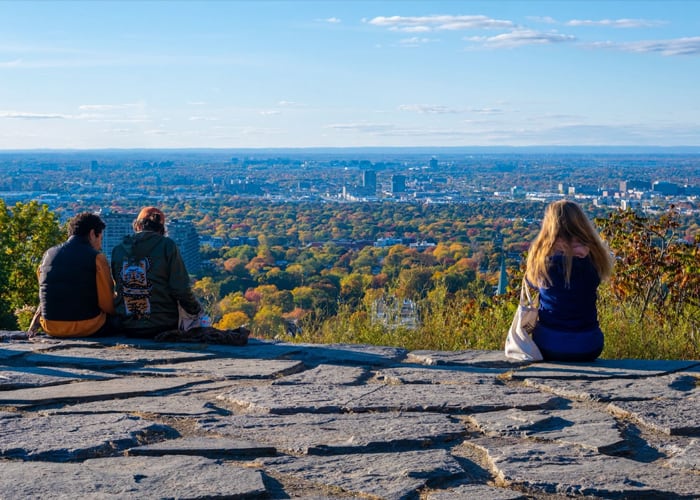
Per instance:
(125,418)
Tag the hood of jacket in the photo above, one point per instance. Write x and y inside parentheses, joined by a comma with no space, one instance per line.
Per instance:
(142,243)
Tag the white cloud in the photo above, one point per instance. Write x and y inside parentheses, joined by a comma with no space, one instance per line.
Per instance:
(519,38)
(17,63)
(542,19)
(20,115)
(361,127)
(616,23)
(203,119)
(487,111)
(677,47)
(429,109)
(332,20)
(418,24)
(290,104)
(270,112)
(416,41)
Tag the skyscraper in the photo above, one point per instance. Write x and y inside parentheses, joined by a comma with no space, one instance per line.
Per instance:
(118,226)
(185,235)
(182,232)
(398,183)
(369,181)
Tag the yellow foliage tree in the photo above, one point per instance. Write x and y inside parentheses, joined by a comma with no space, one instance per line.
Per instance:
(232,320)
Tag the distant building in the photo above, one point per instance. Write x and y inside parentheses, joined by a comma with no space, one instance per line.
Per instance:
(185,235)
(182,232)
(635,185)
(369,181)
(398,183)
(388,242)
(666,188)
(118,226)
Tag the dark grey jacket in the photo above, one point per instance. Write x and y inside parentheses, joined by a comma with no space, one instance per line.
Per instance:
(150,281)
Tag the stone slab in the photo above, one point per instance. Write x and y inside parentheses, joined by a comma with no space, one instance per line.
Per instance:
(583,427)
(16,377)
(144,478)
(434,375)
(111,357)
(384,475)
(339,434)
(603,368)
(169,406)
(349,354)
(92,391)
(624,389)
(472,491)
(672,416)
(10,335)
(281,399)
(10,351)
(205,447)
(219,369)
(565,470)
(472,358)
(687,457)
(61,438)
(255,349)
(327,374)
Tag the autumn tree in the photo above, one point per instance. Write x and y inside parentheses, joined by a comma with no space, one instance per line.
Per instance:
(27,230)
(654,266)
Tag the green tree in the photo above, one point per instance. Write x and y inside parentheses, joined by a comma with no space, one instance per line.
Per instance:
(27,230)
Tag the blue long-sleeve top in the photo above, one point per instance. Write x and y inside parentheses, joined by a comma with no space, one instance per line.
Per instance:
(572,307)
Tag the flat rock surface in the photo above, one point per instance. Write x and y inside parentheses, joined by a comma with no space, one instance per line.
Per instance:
(133,418)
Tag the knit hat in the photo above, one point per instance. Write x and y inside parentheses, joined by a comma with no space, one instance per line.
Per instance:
(153,214)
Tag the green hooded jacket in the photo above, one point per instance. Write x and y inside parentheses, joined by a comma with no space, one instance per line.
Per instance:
(151,279)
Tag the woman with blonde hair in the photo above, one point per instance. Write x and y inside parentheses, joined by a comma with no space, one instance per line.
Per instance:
(567,262)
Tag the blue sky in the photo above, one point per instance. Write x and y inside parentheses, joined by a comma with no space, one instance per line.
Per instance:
(230,74)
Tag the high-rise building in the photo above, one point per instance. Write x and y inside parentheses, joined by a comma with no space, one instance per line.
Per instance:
(118,226)
(398,183)
(369,181)
(183,233)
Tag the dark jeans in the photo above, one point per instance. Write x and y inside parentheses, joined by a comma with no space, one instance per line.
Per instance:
(109,329)
(557,345)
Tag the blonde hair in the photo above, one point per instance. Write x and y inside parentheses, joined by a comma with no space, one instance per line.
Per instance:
(564,221)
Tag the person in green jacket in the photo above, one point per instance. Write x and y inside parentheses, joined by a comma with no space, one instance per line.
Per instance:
(151,279)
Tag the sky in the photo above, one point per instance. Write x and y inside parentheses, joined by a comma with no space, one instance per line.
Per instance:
(348,73)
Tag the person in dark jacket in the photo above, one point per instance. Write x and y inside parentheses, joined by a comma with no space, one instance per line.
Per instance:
(151,278)
(567,262)
(75,284)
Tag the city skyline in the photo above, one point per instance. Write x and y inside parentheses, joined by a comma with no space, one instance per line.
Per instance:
(299,74)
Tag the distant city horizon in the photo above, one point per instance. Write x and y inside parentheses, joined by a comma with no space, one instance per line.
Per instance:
(504,149)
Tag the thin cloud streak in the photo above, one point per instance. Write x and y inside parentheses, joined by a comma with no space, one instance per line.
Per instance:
(417,24)
(616,23)
(521,38)
(429,109)
(19,115)
(679,47)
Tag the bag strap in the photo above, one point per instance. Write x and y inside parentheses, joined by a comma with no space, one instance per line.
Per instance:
(525,296)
